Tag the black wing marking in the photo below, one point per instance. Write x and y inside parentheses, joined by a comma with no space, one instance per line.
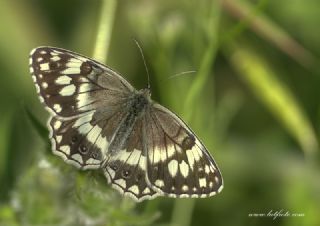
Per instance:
(70,84)
(178,164)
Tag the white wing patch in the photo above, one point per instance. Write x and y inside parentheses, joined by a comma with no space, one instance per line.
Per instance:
(68,90)
(63,80)
(173,167)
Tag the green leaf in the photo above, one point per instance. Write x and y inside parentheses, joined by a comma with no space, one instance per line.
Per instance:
(275,95)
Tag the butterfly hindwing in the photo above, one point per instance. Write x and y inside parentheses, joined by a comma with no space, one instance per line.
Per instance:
(126,169)
(70,84)
(78,141)
(83,141)
(178,164)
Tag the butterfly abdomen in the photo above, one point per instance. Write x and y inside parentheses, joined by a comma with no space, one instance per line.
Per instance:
(136,108)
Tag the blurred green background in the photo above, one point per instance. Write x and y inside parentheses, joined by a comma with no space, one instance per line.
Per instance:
(254,102)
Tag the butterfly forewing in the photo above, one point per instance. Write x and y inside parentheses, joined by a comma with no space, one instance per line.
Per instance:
(178,164)
(70,84)
(98,120)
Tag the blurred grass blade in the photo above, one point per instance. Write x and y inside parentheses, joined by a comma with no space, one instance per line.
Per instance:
(39,127)
(130,219)
(226,110)
(108,11)
(268,30)
(206,63)
(13,48)
(5,131)
(19,142)
(200,80)
(275,96)
(182,211)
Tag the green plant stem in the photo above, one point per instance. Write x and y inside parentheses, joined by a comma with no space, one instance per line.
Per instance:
(182,210)
(102,43)
(206,62)
(201,79)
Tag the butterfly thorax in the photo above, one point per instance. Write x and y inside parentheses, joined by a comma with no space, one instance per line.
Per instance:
(139,102)
(136,107)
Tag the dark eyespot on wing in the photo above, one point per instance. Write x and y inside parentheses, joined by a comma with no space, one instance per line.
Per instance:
(126,169)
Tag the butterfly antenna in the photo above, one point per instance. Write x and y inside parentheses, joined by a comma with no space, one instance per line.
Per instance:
(181,73)
(144,62)
(177,75)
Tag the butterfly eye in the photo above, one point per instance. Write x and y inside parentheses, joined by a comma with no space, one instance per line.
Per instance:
(126,173)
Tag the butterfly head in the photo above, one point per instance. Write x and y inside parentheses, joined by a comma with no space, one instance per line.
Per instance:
(146,93)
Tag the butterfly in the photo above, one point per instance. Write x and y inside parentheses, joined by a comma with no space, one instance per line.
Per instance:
(99,121)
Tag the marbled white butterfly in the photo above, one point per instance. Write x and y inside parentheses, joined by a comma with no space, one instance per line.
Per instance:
(99,121)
